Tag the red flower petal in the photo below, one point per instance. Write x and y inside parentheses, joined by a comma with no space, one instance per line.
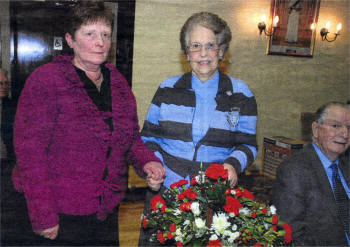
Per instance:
(288,235)
(214,243)
(215,171)
(172,227)
(274,219)
(161,238)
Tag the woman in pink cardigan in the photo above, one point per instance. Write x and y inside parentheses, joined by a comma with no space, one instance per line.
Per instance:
(76,131)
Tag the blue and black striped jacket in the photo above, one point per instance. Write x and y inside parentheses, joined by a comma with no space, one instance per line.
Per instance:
(168,127)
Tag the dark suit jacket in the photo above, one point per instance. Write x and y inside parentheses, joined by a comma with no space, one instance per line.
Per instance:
(7,119)
(304,199)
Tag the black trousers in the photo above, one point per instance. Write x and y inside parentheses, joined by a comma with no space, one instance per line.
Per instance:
(84,230)
(74,230)
(16,229)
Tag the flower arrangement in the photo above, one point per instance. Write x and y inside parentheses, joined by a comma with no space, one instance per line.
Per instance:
(208,212)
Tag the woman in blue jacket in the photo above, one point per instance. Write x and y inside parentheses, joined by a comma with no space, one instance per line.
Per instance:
(204,115)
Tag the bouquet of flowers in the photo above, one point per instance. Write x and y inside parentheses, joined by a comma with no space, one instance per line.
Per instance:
(208,212)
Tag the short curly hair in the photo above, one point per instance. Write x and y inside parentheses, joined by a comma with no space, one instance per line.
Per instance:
(208,20)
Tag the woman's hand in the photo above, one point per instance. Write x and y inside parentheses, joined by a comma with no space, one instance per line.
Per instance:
(232,174)
(155,174)
(50,233)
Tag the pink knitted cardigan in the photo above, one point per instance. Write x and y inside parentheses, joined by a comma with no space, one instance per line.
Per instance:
(61,143)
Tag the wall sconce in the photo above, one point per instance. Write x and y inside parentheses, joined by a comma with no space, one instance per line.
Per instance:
(262,25)
(324,32)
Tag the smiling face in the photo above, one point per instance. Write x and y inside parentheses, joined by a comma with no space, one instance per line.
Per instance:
(91,44)
(204,63)
(333,136)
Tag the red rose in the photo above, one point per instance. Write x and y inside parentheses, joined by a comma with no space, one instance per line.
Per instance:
(274,227)
(257,245)
(232,205)
(179,183)
(214,243)
(181,196)
(144,222)
(215,171)
(264,210)
(161,238)
(253,215)
(288,235)
(190,194)
(179,244)
(228,191)
(193,181)
(163,209)
(185,206)
(274,219)
(169,235)
(238,192)
(157,202)
(172,227)
(248,194)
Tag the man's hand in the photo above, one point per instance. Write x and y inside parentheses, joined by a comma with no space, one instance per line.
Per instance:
(155,174)
(232,174)
(50,233)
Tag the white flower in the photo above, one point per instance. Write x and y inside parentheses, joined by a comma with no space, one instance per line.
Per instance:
(227,233)
(179,239)
(234,227)
(244,211)
(199,222)
(232,215)
(213,237)
(186,222)
(179,236)
(220,223)
(273,209)
(266,225)
(195,208)
(233,236)
(177,212)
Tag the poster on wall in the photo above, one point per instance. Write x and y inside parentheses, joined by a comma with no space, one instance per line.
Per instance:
(294,34)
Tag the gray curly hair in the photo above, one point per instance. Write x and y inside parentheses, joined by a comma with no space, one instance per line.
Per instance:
(208,20)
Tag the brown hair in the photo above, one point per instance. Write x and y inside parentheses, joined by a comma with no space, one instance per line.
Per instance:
(85,12)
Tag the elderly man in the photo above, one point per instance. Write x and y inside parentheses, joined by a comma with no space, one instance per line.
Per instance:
(311,190)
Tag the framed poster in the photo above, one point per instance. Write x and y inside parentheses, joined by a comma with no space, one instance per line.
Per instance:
(294,35)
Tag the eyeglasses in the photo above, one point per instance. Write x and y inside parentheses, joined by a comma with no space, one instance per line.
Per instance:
(196,47)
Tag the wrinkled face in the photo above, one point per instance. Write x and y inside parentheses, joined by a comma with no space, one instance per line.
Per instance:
(333,136)
(204,62)
(91,44)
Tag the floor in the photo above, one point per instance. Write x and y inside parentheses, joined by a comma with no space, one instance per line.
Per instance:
(129,223)
(129,212)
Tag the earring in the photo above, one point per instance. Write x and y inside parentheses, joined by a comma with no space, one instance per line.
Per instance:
(188,57)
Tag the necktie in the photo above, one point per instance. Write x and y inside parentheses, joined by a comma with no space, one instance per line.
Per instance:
(341,198)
